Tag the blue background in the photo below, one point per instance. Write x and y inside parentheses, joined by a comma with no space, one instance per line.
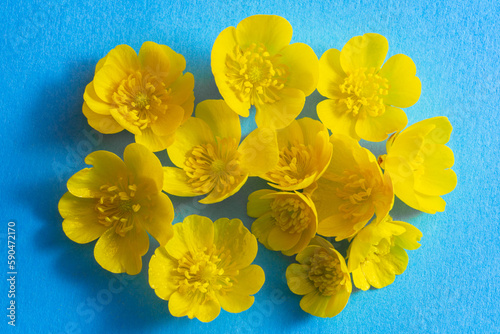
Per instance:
(48,53)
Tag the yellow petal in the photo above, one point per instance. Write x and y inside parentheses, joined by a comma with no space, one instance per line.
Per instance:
(81,222)
(273,31)
(281,113)
(107,81)
(335,117)
(410,238)
(378,128)
(217,195)
(154,60)
(100,122)
(324,306)
(144,165)
(190,134)
(331,74)
(367,51)
(303,67)
(436,182)
(167,123)
(193,305)
(248,282)
(188,107)
(177,65)
(194,233)
(297,278)
(160,275)
(108,168)
(290,135)
(122,254)
(404,86)
(154,142)
(280,240)
(259,152)
(94,102)
(160,217)
(182,91)
(257,204)
(262,226)
(123,121)
(221,119)
(175,182)
(235,238)
(123,57)
(225,44)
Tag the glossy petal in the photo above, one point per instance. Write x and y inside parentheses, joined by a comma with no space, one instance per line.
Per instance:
(235,238)
(281,113)
(123,57)
(160,276)
(405,87)
(175,182)
(367,51)
(190,304)
(273,31)
(144,164)
(335,117)
(102,123)
(80,218)
(258,204)
(249,282)
(190,134)
(122,254)
(177,66)
(262,226)
(303,67)
(378,128)
(216,196)
(154,60)
(161,215)
(259,151)
(94,102)
(221,119)
(331,74)
(280,240)
(297,278)
(87,182)
(167,123)
(195,233)
(107,80)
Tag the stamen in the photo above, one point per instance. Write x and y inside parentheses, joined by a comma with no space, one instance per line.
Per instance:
(295,164)
(325,273)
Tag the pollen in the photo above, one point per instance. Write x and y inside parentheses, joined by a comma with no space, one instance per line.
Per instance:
(291,214)
(364,90)
(141,98)
(255,75)
(354,189)
(203,271)
(210,167)
(116,207)
(325,273)
(294,165)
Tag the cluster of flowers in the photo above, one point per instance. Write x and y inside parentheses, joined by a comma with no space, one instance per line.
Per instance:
(326,184)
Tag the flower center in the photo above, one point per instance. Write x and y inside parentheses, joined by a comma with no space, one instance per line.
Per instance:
(255,75)
(291,214)
(364,90)
(325,273)
(140,98)
(116,207)
(209,166)
(204,271)
(354,190)
(293,167)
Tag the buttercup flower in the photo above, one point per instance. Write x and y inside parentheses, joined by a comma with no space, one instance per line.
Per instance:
(377,253)
(208,156)
(117,201)
(363,98)
(147,94)
(305,152)
(351,190)
(255,64)
(419,164)
(206,266)
(321,277)
(286,221)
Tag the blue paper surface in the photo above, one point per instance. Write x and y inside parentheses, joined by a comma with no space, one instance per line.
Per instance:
(48,53)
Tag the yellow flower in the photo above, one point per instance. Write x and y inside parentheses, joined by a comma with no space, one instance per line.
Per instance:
(351,190)
(255,64)
(419,164)
(305,152)
(286,221)
(377,254)
(206,266)
(208,156)
(117,201)
(321,277)
(363,98)
(147,94)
